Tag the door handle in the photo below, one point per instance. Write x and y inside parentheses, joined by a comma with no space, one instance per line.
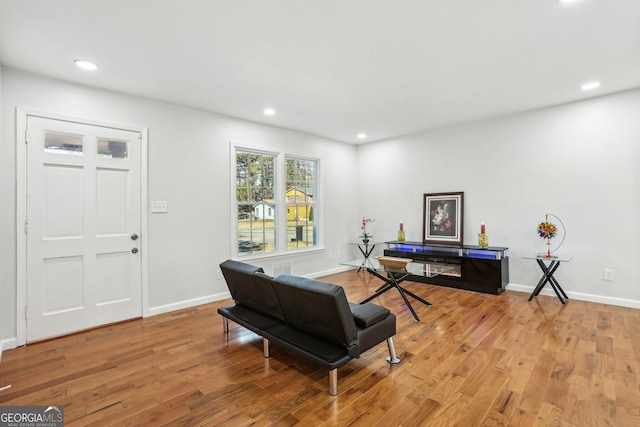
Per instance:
(134,236)
(134,250)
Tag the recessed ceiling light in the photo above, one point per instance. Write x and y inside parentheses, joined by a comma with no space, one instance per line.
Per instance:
(269,112)
(568,1)
(85,65)
(362,135)
(590,86)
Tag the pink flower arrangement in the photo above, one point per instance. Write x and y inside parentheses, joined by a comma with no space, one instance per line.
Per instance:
(363,227)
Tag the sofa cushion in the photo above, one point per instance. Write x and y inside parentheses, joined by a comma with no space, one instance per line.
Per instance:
(248,317)
(316,307)
(326,352)
(368,314)
(374,335)
(250,286)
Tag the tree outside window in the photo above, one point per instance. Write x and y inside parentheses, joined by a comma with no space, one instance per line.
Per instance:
(274,212)
(256,204)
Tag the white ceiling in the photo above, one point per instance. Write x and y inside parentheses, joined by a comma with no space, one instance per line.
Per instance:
(334,68)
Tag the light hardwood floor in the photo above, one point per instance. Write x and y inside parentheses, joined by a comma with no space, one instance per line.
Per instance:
(474,359)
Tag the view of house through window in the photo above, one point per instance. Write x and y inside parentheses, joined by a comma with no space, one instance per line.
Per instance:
(255,196)
(263,222)
(300,203)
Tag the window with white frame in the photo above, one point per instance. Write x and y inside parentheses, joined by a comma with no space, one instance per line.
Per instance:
(300,200)
(276,203)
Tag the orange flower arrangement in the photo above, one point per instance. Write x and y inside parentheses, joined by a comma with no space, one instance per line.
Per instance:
(547,230)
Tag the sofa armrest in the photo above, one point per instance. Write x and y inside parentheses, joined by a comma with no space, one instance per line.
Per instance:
(366,315)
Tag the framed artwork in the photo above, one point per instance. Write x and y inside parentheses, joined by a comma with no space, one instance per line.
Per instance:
(443,215)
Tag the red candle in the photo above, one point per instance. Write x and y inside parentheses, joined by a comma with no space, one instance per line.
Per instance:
(401,226)
(482,228)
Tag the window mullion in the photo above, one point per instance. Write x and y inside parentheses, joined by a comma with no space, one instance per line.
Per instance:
(281,208)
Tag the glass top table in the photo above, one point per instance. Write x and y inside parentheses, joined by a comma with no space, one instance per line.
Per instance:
(547,274)
(365,249)
(544,257)
(414,268)
(398,274)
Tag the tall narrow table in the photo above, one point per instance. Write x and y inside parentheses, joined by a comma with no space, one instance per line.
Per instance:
(547,275)
(365,249)
(396,275)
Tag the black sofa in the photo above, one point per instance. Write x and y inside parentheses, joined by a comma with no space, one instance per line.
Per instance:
(309,318)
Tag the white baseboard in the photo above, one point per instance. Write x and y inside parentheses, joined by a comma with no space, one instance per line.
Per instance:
(580,296)
(10,343)
(7,344)
(153,311)
(336,270)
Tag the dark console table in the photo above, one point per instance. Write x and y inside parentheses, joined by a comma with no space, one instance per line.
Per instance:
(475,268)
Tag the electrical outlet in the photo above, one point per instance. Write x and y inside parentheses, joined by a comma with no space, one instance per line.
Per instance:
(607,274)
(339,254)
(218,274)
(330,255)
(159,206)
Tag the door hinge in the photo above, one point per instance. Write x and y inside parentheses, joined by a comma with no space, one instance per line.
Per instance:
(26,225)
(26,312)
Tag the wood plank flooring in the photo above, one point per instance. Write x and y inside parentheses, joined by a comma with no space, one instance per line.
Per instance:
(474,359)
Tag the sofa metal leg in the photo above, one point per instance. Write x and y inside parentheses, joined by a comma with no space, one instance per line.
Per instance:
(225,325)
(393,358)
(333,382)
(265,347)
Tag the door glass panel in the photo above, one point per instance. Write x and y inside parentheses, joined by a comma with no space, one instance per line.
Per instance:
(111,149)
(64,143)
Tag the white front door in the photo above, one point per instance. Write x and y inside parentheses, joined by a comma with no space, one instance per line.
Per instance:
(83,221)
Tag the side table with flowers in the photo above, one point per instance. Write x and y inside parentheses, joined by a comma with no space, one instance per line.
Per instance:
(365,235)
(547,230)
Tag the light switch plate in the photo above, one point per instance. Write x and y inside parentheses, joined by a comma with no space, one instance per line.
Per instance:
(159,206)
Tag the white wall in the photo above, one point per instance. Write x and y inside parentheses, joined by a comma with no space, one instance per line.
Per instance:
(189,168)
(579,161)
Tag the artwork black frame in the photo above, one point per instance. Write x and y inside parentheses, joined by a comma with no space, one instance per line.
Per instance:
(443,215)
